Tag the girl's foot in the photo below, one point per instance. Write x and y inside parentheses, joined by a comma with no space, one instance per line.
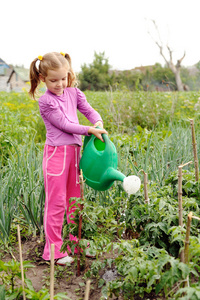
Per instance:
(64,260)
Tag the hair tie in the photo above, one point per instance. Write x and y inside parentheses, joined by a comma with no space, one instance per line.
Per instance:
(40,57)
(63,54)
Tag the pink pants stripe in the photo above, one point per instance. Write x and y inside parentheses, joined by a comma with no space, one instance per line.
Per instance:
(61,181)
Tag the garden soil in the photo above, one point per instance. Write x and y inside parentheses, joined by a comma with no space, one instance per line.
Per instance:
(66,279)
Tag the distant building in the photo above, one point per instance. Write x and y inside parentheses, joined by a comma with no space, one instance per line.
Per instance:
(13,79)
(5,71)
(18,79)
(3,68)
(143,69)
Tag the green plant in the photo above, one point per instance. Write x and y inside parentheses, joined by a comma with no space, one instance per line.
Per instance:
(10,189)
(43,294)
(144,270)
(188,293)
(10,271)
(21,191)
(2,292)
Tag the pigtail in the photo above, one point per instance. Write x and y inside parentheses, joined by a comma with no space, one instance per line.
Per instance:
(34,78)
(67,56)
(71,76)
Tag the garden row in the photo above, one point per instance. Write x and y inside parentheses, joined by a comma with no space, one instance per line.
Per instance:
(152,134)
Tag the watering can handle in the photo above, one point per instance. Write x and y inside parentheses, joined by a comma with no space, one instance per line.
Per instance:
(104,135)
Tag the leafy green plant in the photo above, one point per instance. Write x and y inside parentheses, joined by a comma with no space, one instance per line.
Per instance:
(43,294)
(2,292)
(10,271)
(97,220)
(188,293)
(144,270)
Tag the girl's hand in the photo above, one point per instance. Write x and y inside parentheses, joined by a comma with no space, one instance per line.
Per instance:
(99,123)
(97,132)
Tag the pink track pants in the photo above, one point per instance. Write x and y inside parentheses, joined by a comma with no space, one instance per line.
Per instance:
(61,182)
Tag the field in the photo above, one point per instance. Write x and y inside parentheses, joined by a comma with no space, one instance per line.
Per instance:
(139,244)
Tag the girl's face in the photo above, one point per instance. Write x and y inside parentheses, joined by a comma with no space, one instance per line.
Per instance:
(56,80)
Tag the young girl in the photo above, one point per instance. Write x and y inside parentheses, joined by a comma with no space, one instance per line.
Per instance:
(58,108)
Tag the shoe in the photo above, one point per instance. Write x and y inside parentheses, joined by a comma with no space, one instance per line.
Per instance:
(64,260)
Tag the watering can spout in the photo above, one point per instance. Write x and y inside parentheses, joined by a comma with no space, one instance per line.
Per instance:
(111,175)
(106,180)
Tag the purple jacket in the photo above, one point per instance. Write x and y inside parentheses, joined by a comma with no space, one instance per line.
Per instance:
(59,114)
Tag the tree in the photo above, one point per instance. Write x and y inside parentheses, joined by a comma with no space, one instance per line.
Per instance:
(129,79)
(95,76)
(175,68)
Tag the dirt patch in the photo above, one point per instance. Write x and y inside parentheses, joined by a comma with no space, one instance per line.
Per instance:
(66,279)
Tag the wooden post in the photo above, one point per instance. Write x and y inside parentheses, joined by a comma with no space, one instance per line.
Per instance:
(194,144)
(87,290)
(21,261)
(187,241)
(52,272)
(145,188)
(146,197)
(80,223)
(186,249)
(180,201)
(187,237)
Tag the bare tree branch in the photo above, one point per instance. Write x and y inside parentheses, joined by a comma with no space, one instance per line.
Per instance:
(162,54)
(169,62)
(170,53)
(179,61)
(158,32)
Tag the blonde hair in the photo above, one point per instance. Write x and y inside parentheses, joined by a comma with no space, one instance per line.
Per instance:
(50,61)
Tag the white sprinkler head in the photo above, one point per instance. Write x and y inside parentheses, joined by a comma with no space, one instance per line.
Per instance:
(131,184)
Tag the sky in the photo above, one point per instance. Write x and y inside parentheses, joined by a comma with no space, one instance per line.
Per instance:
(122,29)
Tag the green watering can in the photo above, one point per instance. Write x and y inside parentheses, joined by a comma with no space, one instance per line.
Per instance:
(99,166)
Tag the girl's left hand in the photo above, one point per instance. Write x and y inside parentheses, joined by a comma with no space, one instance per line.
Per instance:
(97,132)
(99,123)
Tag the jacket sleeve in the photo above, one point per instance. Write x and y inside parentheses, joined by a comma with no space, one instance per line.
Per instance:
(86,109)
(51,111)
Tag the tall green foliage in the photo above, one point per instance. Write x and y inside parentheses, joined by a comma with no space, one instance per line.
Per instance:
(95,76)
(99,76)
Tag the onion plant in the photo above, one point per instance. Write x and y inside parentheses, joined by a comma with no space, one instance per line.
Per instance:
(21,191)
(10,186)
(158,153)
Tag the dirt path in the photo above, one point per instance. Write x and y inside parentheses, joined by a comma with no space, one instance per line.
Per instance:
(66,279)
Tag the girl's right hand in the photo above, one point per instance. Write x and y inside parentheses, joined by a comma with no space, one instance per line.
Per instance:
(97,132)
